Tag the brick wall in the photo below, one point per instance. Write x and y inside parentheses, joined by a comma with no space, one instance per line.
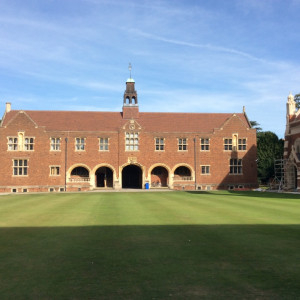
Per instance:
(41,158)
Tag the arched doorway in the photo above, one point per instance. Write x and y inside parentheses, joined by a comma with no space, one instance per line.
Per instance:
(104,177)
(182,173)
(159,177)
(132,177)
(79,174)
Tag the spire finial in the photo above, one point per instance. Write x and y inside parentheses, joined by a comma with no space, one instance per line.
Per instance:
(129,68)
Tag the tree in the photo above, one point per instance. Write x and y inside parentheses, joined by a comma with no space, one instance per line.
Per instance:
(255,125)
(269,148)
(297,100)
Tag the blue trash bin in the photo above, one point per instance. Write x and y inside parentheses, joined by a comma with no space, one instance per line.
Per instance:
(147,185)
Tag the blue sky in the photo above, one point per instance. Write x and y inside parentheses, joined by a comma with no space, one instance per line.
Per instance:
(187,56)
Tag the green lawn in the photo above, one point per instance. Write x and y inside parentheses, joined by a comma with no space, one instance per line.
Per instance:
(168,245)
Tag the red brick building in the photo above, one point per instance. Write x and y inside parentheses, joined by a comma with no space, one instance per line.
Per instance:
(71,150)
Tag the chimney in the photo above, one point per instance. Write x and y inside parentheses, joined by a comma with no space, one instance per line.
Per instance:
(7,107)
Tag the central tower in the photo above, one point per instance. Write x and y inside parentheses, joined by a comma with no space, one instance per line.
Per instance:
(130,100)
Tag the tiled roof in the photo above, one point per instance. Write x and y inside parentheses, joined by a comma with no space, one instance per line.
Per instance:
(112,121)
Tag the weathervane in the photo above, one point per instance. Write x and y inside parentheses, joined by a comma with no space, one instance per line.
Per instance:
(129,68)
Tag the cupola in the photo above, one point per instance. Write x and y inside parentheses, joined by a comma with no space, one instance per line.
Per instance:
(130,100)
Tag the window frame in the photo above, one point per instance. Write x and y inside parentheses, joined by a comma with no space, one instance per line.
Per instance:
(104,143)
(159,143)
(243,145)
(205,169)
(182,144)
(133,136)
(235,166)
(28,144)
(228,144)
(56,144)
(20,167)
(14,143)
(204,146)
(80,143)
(54,170)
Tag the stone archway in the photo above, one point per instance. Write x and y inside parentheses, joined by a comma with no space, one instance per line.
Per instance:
(159,177)
(132,177)
(79,174)
(182,173)
(104,177)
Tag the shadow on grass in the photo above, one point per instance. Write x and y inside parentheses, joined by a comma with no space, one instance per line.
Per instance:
(150,262)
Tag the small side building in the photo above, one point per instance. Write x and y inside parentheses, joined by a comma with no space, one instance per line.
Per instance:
(78,151)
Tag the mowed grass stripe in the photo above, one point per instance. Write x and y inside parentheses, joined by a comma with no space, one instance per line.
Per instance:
(201,209)
(144,208)
(262,212)
(239,207)
(49,210)
(29,209)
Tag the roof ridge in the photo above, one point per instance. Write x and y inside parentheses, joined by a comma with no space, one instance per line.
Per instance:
(66,111)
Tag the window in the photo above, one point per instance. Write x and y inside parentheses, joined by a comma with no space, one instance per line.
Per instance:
(12,143)
(20,143)
(159,144)
(132,141)
(228,144)
(20,167)
(205,169)
(242,145)
(103,144)
(182,144)
(55,144)
(54,170)
(204,143)
(28,143)
(236,166)
(79,144)
(25,190)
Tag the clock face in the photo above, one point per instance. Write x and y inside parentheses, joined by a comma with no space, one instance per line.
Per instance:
(131,126)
